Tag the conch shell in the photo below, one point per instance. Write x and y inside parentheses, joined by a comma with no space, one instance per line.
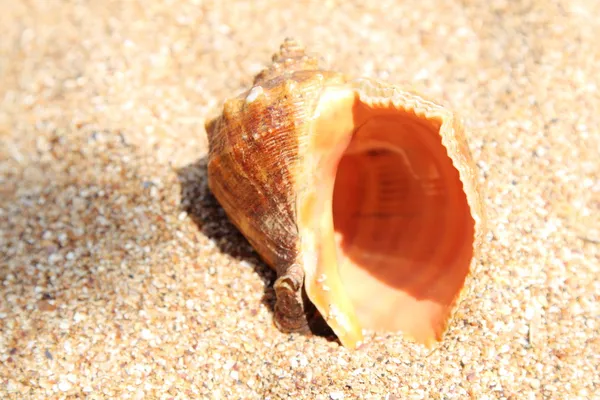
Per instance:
(361,196)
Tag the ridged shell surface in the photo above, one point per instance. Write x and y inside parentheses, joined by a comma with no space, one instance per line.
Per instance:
(257,147)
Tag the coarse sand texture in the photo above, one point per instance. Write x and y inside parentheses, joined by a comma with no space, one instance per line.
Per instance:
(121,277)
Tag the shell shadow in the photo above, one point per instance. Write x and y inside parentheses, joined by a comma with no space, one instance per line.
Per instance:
(207,214)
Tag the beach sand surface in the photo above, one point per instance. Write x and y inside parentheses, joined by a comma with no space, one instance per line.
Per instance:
(121,277)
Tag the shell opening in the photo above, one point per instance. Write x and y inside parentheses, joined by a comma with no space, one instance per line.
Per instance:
(404,225)
(394,240)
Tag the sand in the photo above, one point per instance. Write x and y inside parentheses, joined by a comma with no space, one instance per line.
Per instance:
(122,278)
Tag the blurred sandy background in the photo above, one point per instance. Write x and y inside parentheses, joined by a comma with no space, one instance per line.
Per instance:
(120,276)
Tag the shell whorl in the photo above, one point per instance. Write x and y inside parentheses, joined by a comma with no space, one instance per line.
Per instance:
(256,146)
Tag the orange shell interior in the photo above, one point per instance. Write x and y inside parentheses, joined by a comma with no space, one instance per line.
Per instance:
(403,228)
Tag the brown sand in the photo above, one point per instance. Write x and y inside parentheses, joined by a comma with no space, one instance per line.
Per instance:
(121,277)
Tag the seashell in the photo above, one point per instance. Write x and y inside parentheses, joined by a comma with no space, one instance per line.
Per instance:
(361,196)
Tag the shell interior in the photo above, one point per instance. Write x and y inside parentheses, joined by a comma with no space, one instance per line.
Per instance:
(395,235)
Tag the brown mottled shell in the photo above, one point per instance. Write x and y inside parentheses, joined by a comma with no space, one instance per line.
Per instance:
(371,190)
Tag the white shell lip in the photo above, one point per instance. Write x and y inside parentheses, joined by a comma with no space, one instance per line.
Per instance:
(318,241)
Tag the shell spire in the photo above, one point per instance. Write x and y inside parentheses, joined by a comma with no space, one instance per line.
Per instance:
(290,58)
(361,196)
